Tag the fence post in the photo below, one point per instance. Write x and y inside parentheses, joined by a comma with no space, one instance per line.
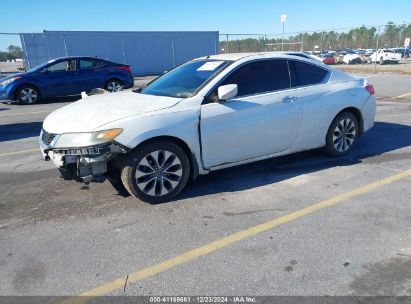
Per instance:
(302,42)
(124,53)
(376,49)
(226,46)
(322,37)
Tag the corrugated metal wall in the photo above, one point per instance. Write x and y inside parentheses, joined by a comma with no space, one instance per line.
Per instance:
(146,52)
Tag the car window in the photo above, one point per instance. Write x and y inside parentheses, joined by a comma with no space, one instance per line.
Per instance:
(65,65)
(303,74)
(90,63)
(259,77)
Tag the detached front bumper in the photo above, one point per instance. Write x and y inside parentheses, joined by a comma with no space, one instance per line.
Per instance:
(82,164)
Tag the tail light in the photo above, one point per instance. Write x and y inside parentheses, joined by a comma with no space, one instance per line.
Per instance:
(370,89)
(125,68)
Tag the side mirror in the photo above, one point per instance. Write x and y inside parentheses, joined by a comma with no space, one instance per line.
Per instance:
(227,91)
(44,71)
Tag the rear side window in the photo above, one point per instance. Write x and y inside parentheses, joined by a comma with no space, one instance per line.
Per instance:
(260,76)
(90,63)
(303,74)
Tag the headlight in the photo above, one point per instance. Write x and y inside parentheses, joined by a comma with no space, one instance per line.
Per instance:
(8,81)
(75,140)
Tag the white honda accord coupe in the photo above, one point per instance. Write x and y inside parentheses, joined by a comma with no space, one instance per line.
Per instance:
(207,114)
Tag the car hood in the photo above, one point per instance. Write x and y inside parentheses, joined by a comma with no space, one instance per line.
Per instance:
(95,111)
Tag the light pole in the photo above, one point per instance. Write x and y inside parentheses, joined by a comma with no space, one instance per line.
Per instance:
(283,18)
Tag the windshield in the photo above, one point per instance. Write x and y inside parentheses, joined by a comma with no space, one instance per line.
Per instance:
(184,80)
(40,66)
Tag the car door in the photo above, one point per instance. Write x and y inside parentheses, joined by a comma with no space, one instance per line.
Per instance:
(314,93)
(263,119)
(90,77)
(59,78)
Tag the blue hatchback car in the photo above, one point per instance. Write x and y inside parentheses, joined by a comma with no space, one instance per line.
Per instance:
(65,76)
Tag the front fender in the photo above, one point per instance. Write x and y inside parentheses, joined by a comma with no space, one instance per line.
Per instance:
(182,125)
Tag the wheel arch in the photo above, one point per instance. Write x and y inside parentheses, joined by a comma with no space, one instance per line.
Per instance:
(112,78)
(26,84)
(194,170)
(357,113)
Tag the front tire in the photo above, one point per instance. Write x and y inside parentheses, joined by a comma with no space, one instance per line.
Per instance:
(27,95)
(157,172)
(342,134)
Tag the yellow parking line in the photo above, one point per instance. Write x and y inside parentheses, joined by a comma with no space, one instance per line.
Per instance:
(22,113)
(19,152)
(118,284)
(402,96)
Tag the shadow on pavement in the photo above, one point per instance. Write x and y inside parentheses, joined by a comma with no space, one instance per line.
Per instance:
(72,98)
(383,137)
(20,130)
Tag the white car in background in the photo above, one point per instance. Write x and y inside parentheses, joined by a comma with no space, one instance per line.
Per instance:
(304,55)
(384,56)
(352,59)
(208,114)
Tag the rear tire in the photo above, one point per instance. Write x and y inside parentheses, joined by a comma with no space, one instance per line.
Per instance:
(27,94)
(157,172)
(342,134)
(113,85)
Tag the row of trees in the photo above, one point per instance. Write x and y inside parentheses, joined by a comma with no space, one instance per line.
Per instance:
(13,52)
(390,35)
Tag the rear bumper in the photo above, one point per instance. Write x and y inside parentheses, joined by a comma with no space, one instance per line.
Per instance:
(368,113)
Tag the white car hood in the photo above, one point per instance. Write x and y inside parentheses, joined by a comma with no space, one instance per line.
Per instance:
(92,112)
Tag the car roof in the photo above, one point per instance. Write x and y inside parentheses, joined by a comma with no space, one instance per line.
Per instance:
(238,56)
(76,57)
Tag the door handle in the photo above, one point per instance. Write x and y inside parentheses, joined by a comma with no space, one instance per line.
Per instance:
(290,99)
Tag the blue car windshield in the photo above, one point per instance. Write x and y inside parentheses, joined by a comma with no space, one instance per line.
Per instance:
(186,79)
(40,66)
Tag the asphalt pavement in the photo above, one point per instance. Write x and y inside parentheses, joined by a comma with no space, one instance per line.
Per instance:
(303,224)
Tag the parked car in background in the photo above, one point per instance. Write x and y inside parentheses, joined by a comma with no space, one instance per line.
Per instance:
(352,59)
(405,52)
(368,52)
(304,55)
(65,76)
(328,59)
(360,52)
(208,114)
(384,56)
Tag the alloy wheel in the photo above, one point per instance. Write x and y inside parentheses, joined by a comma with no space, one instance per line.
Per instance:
(344,135)
(158,173)
(114,86)
(28,95)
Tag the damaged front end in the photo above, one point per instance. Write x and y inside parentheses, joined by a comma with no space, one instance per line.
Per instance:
(84,163)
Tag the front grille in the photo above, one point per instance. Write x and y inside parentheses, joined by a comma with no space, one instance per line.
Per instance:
(47,137)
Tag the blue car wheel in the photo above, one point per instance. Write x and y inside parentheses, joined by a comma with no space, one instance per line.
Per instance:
(114,85)
(27,94)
